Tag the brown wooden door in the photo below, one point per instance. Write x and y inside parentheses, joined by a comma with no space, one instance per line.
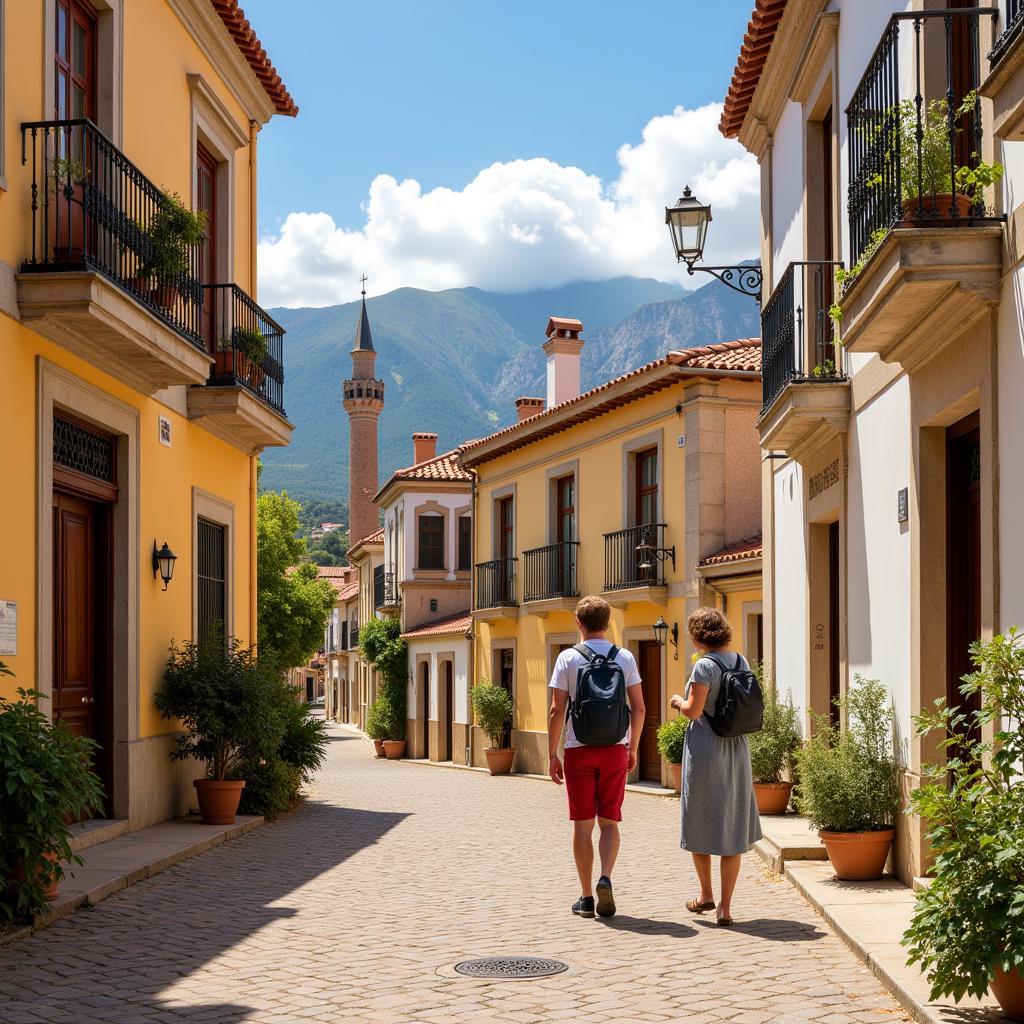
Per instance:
(206,201)
(449,711)
(963,556)
(506,679)
(75,60)
(650,673)
(833,622)
(82,622)
(424,709)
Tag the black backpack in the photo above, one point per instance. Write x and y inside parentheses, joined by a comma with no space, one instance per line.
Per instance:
(600,712)
(739,709)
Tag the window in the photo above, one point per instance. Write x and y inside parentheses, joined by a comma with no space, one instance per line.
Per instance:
(211,578)
(646,510)
(565,509)
(506,528)
(344,636)
(465,543)
(75,60)
(431,553)
(378,586)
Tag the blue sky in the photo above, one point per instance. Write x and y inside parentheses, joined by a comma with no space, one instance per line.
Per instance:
(436,92)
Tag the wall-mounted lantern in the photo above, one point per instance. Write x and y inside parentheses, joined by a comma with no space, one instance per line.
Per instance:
(163,563)
(662,632)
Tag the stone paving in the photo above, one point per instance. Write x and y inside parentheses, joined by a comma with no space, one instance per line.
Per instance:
(357,907)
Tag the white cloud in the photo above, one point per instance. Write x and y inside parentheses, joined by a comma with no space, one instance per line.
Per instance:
(525,224)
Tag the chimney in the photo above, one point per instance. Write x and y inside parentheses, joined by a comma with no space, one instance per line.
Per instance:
(563,349)
(424,448)
(527,407)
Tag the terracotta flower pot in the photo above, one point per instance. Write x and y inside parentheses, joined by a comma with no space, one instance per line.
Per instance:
(394,749)
(499,759)
(165,296)
(675,772)
(858,856)
(772,797)
(51,891)
(378,747)
(218,801)
(937,207)
(1008,988)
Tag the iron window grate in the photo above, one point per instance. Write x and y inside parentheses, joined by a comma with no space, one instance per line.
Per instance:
(83,450)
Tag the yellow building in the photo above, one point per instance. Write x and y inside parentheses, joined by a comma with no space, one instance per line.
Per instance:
(620,491)
(139,378)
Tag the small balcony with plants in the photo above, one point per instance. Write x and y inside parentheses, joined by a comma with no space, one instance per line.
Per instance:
(112,271)
(925,240)
(805,390)
(496,590)
(550,580)
(635,565)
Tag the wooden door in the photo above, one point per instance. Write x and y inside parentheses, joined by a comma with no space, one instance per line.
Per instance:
(424,709)
(206,201)
(82,627)
(506,550)
(650,673)
(506,679)
(833,622)
(449,711)
(963,557)
(646,511)
(75,60)
(565,533)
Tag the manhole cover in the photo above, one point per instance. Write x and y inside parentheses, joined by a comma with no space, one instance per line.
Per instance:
(511,967)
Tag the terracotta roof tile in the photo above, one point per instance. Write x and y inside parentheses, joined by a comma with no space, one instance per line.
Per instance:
(445,627)
(327,571)
(744,355)
(764,22)
(377,537)
(750,548)
(443,467)
(348,591)
(252,50)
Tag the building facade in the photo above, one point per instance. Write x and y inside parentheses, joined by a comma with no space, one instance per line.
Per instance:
(890,486)
(140,379)
(620,491)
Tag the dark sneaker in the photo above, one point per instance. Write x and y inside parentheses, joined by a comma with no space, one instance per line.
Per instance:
(584,906)
(605,897)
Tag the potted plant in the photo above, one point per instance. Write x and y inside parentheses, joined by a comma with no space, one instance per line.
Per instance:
(492,706)
(251,348)
(376,724)
(225,360)
(394,725)
(49,782)
(223,695)
(967,932)
(671,739)
(173,231)
(772,750)
(67,223)
(385,651)
(849,782)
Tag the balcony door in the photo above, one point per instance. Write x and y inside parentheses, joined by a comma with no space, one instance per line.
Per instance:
(206,201)
(645,514)
(75,60)
(565,534)
(506,547)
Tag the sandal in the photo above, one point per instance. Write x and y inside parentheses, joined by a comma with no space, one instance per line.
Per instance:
(696,907)
(725,922)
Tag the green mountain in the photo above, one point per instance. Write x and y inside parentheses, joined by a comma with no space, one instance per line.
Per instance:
(454,361)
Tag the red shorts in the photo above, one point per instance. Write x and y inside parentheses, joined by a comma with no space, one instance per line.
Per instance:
(595,781)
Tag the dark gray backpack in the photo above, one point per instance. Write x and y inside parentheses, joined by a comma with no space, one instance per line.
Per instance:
(600,711)
(739,709)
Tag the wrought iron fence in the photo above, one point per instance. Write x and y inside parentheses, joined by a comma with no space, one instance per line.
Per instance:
(1011,30)
(250,345)
(496,583)
(392,597)
(93,209)
(629,559)
(915,127)
(550,571)
(800,304)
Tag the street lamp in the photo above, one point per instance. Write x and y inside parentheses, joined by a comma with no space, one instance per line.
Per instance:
(661,632)
(688,224)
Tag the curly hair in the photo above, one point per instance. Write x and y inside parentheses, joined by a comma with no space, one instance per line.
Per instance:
(710,627)
(593,613)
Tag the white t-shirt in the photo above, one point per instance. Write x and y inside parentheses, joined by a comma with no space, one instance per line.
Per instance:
(566,671)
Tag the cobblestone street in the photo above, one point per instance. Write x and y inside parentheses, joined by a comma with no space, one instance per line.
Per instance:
(357,908)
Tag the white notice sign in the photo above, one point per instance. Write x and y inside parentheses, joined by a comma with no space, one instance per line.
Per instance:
(8,627)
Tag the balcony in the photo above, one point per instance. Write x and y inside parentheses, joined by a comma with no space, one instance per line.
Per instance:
(634,565)
(1012,32)
(496,589)
(243,402)
(390,596)
(550,578)
(89,284)
(925,249)
(806,395)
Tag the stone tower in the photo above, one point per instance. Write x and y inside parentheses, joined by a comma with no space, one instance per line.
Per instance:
(364,402)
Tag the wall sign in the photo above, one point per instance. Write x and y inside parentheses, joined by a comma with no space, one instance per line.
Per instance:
(165,431)
(681,441)
(823,480)
(9,627)
(902,505)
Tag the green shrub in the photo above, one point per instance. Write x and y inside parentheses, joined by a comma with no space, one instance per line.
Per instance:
(48,782)
(384,650)
(849,779)
(271,788)
(250,343)
(970,920)
(671,739)
(492,707)
(772,749)
(378,718)
(172,232)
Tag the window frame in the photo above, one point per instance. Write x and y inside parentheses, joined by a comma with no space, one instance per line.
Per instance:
(217,511)
(434,537)
(464,543)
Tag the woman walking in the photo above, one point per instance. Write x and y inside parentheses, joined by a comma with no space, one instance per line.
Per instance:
(719,814)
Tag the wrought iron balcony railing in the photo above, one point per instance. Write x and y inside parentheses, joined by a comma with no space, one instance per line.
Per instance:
(629,560)
(915,127)
(550,572)
(496,583)
(1011,32)
(799,305)
(250,345)
(93,209)
(392,594)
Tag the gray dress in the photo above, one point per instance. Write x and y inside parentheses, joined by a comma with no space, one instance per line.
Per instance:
(719,814)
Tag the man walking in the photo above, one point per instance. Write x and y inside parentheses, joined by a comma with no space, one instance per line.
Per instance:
(600,684)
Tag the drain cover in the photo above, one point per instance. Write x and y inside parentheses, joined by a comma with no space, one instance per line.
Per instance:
(511,967)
